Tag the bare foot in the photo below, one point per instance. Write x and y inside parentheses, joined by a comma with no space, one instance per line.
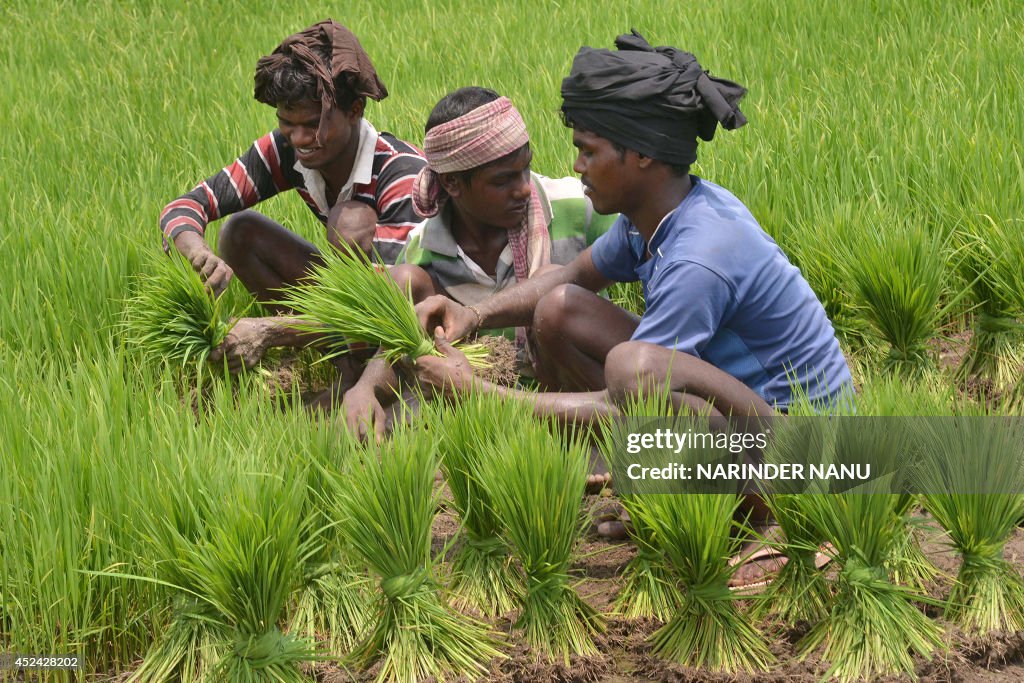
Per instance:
(599,477)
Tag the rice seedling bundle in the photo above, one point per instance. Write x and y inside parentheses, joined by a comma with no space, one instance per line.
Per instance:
(535,481)
(483,576)
(694,533)
(800,590)
(174,319)
(971,472)
(908,565)
(349,299)
(235,556)
(335,600)
(386,502)
(899,275)
(628,295)
(1008,280)
(873,626)
(996,350)
(648,587)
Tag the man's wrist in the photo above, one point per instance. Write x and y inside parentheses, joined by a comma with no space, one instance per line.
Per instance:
(188,242)
(479,316)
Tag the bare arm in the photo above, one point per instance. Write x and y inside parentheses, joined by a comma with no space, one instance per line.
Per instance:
(352,224)
(250,338)
(452,374)
(510,307)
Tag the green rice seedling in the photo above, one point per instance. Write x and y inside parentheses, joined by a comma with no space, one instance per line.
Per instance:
(628,295)
(349,299)
(694,531)
(334,604)
(972,474)
(873,626)
(826,235)
(483,575)
(234,551)
(535,482)
(887,396)
(385,503)
(801,590)
(174,319)
(648,587)
(333,608)
(1008,277)
(908,565)
(899,275)
(996,349)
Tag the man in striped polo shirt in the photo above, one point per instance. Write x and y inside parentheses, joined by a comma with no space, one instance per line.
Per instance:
(356,181)
(490,223)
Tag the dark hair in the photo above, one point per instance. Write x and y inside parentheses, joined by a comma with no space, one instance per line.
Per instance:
(569,122)
(290,83)
(458,103)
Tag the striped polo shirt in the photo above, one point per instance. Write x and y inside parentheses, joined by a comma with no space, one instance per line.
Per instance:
(382,177)
(572,224)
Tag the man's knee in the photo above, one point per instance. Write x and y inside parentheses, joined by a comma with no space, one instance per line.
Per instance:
(632,365)
(554,310)
(412,279)
(236,234)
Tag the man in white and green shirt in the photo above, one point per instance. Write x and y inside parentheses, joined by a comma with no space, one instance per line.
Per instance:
(489,223)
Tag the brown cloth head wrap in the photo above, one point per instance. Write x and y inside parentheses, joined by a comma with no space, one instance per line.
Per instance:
(349,64)
(656,101)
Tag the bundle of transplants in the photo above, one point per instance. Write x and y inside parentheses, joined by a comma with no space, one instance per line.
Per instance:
(335,559)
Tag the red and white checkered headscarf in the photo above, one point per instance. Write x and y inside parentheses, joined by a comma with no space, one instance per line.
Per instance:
(484,134)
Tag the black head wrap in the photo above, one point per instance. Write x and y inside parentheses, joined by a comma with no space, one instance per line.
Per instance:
(348,64)
(656,101)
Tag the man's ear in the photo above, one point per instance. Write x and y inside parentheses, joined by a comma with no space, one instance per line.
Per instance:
(642,161)
(357,109)
(451,184)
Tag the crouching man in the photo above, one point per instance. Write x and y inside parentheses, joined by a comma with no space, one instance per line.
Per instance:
(490,223)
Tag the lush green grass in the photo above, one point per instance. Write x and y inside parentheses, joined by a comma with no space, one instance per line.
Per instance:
(858,112)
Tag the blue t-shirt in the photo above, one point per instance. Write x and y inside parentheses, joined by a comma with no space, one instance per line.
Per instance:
(718,287)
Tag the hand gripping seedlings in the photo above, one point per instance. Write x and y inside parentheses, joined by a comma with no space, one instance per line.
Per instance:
(972,475)
(385,505)
(349,299)
(483,576)
(174,319)
(535,481)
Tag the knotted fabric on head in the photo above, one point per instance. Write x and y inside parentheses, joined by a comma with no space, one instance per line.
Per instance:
(487,133)
(349,64)
(656,101)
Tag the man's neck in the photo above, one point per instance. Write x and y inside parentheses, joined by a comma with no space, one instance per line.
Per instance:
(482,242)
(659,202)
(338,171)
